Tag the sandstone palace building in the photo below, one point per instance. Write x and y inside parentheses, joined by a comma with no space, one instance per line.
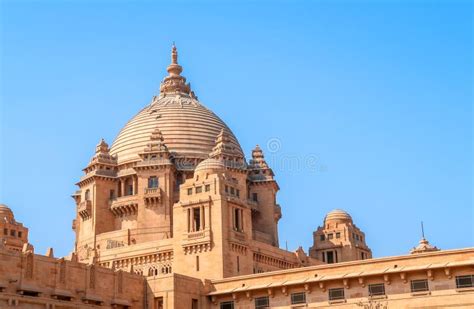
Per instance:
(173,215)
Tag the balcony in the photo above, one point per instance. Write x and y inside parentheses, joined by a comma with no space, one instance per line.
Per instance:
(253,204)
(238,236)
(152,197)
(195,242)
(124,206)
(84,209)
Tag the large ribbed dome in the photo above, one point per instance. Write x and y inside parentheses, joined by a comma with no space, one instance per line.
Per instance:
(189,129)
(337,215)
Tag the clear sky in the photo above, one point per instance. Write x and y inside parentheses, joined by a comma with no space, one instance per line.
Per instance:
(366,105)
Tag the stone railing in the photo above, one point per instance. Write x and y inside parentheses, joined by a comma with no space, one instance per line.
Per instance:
(198,234)
(106,173)
(84,209)
(194,242)
(124,206)
(253,204)
(152,196)
(238,235)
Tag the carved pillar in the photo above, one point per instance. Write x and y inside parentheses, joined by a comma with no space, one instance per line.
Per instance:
(189,220)
(122,187)
(201,216)
(135,184)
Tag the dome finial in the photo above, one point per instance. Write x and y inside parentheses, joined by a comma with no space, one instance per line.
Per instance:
(174,69)
(174,54)
(174,82)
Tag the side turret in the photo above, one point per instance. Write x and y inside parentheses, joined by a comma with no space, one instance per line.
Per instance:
(262,191)
(339,240)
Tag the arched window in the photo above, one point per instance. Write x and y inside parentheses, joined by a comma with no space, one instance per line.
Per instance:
(87,195)
(151,272)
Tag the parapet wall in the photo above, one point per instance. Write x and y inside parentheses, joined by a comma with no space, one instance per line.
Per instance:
(28,280)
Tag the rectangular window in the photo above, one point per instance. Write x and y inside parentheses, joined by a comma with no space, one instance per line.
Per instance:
(465,281)
(20,234)
(232,190)
(226,189)
(5,231)
(237,214)
(298,298)
(12,233)
(196,219)
(262,302)
(419,285)
(330,236)
(112,194)
(207,188)
(227,305)
(322,237)
(336,294)
(376,289)
(130,190)
(194,304)
(159,302)
(198,189)
(197,262)
(190,191)
(153,182)
(330,257)
(338,235)
(362,256)
(237,192)
(255,197)
(238,264)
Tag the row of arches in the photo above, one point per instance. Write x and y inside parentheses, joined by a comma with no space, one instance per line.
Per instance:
(154,270)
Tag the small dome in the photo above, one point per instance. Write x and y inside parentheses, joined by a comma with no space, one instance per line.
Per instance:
(210,164)
(338,215)
(5,212)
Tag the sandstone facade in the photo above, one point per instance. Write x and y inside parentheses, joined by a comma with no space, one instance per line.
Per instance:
(172,215)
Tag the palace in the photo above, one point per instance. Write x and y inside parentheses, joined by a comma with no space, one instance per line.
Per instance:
(172,215)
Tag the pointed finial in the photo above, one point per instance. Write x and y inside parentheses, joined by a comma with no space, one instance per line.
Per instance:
(174,54)
(422,230)
(174,82)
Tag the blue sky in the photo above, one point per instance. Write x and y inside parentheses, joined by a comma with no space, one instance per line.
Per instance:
(372,100)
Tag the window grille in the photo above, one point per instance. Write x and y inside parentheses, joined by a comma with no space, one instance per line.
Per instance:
(298,298)
(376,289)
(262,302)
(336,294)
(464,281)
(227,305)
(419,285)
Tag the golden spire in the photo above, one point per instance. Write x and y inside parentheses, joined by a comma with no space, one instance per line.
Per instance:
(174,82)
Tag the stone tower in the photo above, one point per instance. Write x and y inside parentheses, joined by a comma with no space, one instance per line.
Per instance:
(13,234)
(339,240)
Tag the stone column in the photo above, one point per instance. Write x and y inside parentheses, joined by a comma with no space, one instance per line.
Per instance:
(135,184)
(122,187)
